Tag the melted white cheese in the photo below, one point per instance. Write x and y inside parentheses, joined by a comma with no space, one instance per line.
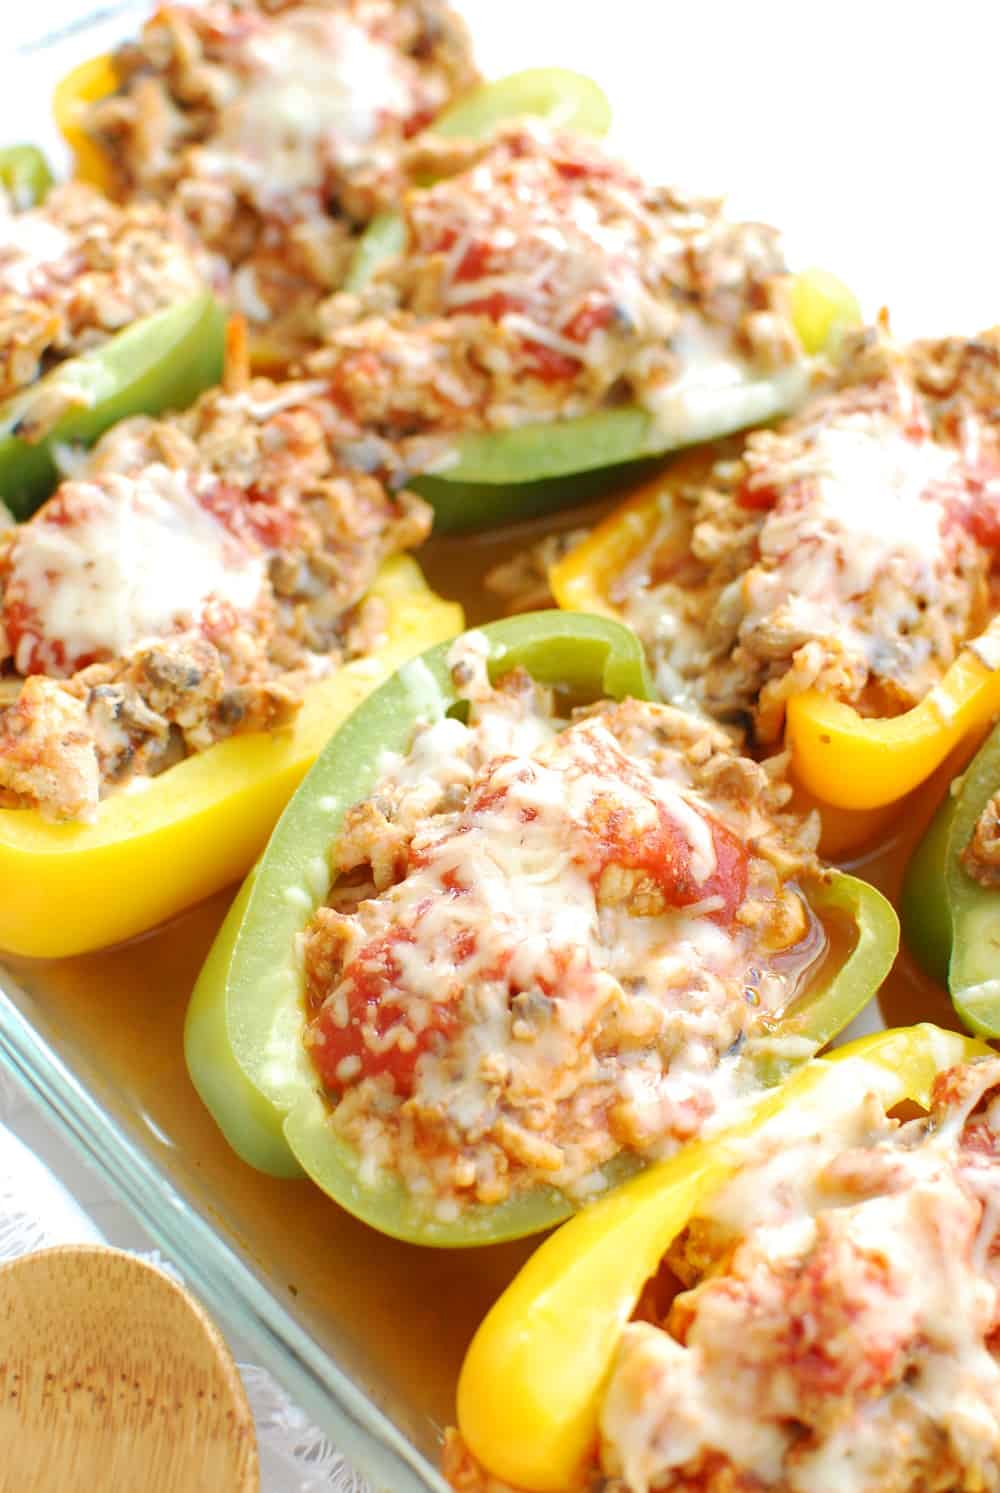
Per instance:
(872,507)
(717,391)
(670,1404)
(140,558)
(863,547)
(861,553)
(505,919)
(30,244)
(317,87)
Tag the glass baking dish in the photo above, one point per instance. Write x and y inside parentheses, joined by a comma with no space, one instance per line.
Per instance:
(367,1333)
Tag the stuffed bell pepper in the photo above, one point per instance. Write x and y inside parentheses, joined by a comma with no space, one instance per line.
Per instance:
(833,579)
(105,311)
(810,1301)
(544,314)
(281,132)
(951,894)
(182,624)
(521,931)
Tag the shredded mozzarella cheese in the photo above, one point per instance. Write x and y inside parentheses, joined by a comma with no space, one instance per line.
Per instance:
(141,557)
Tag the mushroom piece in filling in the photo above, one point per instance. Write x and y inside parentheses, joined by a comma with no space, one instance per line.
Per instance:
(548,939)
(193,579)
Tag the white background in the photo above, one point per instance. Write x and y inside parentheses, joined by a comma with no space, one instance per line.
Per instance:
(869,131)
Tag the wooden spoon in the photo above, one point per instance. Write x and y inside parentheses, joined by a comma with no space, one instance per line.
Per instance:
(113,1380)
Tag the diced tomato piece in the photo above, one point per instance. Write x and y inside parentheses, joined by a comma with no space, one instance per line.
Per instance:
(30,647)
(755,495)
(731,874)
(664,854)
(415,122)
(39,656)
(475,261)
(841,1334)
(592,167)
(373,1000)
(548,364)
(983,523)
(979,1139)
(438,243)
(589,319)
(494,306)
(983,512)
(252,516)
(972,501)
(571,170)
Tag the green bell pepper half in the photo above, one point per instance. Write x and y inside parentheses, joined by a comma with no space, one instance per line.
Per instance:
(562,98)
(462,506)
(24,175)
(951,923)
(161,362)
(243,1037)
(534,469)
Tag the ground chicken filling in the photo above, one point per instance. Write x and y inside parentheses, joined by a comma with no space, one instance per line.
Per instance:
(276,128)
(188,585)
(75,271)
(544,279)
(548,939)
(852,550)
(840,1326)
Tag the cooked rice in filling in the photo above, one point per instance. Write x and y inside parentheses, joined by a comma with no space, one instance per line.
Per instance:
(832,1319)
(276,129)
(192,580)
(547,940)
(73,272)
(851,550)
(543,279)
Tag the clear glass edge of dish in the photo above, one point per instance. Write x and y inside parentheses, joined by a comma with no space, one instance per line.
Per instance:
(212,1267)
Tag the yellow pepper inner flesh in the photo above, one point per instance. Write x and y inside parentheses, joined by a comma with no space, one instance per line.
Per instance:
(85,85)
(166,842)
(822,308)
(856,763)
(530,1388)
(583,579)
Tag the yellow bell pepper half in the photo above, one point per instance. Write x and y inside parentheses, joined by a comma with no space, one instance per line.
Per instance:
(74,94)
(530,1388)
(853,763)
(167,842)
(857,763)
